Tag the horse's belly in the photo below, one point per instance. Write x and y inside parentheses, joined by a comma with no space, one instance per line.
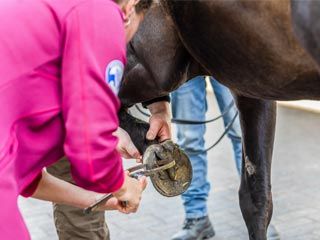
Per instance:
(293,86)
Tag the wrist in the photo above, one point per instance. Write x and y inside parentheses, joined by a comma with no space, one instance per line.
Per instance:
(91,198)
(162,107)
(122,189)
(165,98)
(82,198)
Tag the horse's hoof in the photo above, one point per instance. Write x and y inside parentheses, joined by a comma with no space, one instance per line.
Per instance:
(175,180)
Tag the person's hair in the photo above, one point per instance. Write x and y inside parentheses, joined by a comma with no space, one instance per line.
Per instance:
(119,1)
(143,5)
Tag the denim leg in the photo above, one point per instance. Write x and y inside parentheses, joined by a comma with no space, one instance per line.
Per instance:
(189,102)
(224,98)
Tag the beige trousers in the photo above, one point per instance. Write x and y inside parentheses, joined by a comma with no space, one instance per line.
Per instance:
(71,223)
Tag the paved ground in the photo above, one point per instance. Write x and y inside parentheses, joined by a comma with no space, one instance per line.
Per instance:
(296,191)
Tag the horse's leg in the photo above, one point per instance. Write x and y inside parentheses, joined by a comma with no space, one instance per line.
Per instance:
(137,129)
(258,118)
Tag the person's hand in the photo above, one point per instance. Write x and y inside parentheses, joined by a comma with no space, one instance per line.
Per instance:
(160,121)
(125,145)
(56,190)
(111,204)
(130,193)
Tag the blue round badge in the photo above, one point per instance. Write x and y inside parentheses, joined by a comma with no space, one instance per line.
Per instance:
(114,73)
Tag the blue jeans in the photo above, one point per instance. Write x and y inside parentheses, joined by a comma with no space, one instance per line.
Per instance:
(189,102)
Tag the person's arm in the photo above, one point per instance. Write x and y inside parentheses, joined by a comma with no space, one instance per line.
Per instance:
(92,65)
(55,190)
(93,39)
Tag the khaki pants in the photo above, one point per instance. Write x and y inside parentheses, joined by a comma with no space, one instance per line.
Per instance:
(71,223)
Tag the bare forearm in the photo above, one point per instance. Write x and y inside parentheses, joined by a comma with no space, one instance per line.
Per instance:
(55,190)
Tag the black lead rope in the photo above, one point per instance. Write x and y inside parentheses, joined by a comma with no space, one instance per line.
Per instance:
(195,122)
(226,130)
(192,122)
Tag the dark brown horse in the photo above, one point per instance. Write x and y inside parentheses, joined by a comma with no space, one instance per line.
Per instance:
(248,46)
(306,19)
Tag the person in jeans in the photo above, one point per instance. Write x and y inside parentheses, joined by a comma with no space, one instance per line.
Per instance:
(189,102)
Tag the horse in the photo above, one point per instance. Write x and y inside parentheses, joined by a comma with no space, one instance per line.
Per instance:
(305,16)
(249,46)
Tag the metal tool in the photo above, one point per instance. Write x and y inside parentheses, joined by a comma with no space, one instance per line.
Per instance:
(168,167)
(135,172)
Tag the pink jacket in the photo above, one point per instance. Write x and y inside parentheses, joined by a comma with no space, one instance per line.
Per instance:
(57,57)
(56,60)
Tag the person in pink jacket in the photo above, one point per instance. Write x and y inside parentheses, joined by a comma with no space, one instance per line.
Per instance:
(60,68)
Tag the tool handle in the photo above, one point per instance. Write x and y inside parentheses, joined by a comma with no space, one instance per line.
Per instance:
(105,198)
(95,205)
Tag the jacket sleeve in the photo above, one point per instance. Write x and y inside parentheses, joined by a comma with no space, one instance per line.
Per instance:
(165,98)
(92,38)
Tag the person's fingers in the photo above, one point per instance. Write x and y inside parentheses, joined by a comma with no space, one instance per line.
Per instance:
(143,182)
(125,155)
(133,195)
(129,209)
(155,127)
(163,138)
(165,134)
(133,205)
(120,208)
(111,204)
(159,127)
(133,151)
(125,145)
(134,210)
(124,210)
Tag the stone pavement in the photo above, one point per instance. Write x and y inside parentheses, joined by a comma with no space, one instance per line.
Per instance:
(296,191)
